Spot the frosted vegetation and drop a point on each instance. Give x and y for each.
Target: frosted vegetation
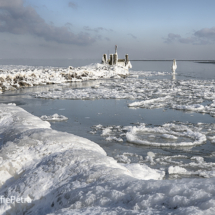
(61, 173)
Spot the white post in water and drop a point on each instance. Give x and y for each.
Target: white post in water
(174, 66)
(115, 49)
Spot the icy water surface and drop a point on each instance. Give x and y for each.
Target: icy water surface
(152, 117)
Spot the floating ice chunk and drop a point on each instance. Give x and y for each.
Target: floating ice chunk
(168, 136)
(198, 159)
(112, 138)
(176, 170)
(107, 131)
(122, 159)
(54, 117)
(14, 104)
(150, 157)
(194, 107)
(146, 102)
(133, 135)
(142, 171)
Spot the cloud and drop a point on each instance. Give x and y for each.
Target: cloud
(206, 33)
(15, 18)
(201, 37)
(72, 5)
(87, 28)
(134, 37)
(172, 37)
(176, 38)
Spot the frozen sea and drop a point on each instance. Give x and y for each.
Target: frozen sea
(152, 119)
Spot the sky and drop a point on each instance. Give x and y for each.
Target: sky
(86, 29)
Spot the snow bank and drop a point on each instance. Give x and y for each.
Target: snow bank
(41, 162)
(15, 78)
(61, 173)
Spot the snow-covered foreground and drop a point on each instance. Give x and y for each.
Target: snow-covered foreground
(12, 78)
(60, 173)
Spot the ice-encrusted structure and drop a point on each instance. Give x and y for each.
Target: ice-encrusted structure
(61, 173)
(12, 78)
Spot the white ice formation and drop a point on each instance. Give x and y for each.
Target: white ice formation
(174, 66)
(188, 95)
(54, 117)
(167, 131)
(60, 173)
(168, 135)
(14, 78)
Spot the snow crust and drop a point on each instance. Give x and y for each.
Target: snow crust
(12, 78)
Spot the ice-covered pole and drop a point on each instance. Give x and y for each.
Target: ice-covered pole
(104, 59)
(126, 59)
(174, 65)
(115, 59)
(111, 59)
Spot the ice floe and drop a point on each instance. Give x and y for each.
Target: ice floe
(54, 117)
(166, 131)
(187, 95)
(167, 135)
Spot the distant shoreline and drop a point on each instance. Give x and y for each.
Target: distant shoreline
(199, 61)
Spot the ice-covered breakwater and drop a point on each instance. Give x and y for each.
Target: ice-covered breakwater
(14, 78)
(60, 173)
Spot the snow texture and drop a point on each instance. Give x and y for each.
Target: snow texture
(23, 76)
(65, 174)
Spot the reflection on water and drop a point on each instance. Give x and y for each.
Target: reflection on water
(173, 77)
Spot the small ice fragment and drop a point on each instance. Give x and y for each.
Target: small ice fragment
(54, 117)
(176, 170)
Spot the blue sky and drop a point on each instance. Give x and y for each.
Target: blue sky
(85, 29)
